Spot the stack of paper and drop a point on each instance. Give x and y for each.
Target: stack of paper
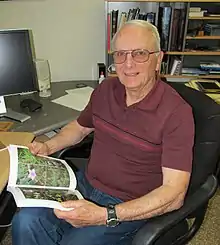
(76, 99)
(215, 97)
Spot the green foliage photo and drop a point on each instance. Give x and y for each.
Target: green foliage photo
(40, 171)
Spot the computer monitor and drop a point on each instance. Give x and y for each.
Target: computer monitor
(17, 69)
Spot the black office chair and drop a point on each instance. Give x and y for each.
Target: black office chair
(7, 210)
(173, 228)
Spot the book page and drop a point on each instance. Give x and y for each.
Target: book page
(28, 170)
(40, 181)
(47, 198)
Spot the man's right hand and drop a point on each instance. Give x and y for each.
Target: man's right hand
(39, 148)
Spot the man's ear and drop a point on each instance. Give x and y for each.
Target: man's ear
(159, 60)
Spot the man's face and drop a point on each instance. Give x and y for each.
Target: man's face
(132, 74)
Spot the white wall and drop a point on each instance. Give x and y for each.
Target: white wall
(69, 33)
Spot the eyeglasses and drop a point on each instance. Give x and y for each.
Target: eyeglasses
(138, 55)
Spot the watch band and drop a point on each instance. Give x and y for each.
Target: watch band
(112, 219)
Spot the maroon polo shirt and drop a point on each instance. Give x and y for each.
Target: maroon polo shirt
(132, 144)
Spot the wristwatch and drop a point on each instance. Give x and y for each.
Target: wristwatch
(112, 219)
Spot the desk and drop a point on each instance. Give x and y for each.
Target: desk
(52, 116)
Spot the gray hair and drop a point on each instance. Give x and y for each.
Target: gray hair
(142, 23)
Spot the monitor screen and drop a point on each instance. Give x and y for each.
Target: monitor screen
(17, 70)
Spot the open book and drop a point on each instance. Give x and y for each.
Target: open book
(40, 181)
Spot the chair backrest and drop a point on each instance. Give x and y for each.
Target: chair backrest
(207, 134)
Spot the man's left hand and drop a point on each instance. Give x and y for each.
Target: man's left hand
(84, 213)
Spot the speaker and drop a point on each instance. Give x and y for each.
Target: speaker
(43, 77)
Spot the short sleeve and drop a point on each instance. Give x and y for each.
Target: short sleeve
(85, 118)
(178, 139)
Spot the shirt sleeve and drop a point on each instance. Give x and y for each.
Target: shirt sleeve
(85, 118)
(178, 140)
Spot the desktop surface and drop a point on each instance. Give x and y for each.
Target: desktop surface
(51, 116)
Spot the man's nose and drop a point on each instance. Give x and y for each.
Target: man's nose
(129, 60)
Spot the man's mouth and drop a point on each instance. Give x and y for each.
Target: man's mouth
(134, 74)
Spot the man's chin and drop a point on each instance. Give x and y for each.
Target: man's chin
(131, 83)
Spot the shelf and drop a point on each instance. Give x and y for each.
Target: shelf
(205, 18)
(189, 1)
(193, 76)
(203, 37)
(179, 76)
(194, 53)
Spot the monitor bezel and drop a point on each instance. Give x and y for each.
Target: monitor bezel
(30, 52)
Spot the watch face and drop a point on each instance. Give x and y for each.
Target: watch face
(112, 222)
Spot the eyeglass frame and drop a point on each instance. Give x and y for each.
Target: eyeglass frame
(126, 52)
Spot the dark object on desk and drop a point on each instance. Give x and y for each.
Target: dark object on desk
(31, 104)
(172, 228)
(81, 85)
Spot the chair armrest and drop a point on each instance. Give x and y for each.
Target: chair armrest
(61, 153)
(157, 226)
(84, 145)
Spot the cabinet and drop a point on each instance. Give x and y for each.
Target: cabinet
(189, 31)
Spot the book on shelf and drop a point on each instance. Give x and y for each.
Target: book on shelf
(176, 66)
(210, 66)
(177, 33)
(193, 71)
(40, 181)
(164, 19)
(197, 14)
(195, 9)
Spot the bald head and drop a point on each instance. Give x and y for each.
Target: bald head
(139, 29)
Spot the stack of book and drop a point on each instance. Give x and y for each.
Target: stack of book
(196, 12)
(211, 67)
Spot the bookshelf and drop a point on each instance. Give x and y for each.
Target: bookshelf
(193, 38)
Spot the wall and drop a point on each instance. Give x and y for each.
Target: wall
(69, 33)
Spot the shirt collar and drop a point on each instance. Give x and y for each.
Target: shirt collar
(150, 101)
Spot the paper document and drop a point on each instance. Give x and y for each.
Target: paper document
(2, 105)
(76, 99)
(85, 91)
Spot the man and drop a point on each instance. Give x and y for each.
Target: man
(141, 156)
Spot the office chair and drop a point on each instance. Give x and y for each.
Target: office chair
(173, 228)
(7, 210)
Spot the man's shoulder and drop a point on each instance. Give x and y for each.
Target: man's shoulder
(109, 82)
(171, 98)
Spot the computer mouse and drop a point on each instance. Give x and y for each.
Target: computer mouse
(31, 104)
(81, 85)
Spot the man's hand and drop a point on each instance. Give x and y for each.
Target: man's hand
(39, 148)
(84, 213)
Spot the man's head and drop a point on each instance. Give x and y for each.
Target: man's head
(136, 52)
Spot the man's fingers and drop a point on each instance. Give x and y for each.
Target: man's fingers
(33, 148)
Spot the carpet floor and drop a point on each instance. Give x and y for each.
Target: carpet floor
(209, 233)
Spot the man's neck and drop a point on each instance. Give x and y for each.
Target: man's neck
(135, 95)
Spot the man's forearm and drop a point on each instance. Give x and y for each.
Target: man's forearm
(69, 135)
(157, 202)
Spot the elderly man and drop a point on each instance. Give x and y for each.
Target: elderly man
(141, 156)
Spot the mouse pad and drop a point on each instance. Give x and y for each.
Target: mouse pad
(5, 126)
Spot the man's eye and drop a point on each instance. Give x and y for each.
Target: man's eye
(120, 53)
(140, 53)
